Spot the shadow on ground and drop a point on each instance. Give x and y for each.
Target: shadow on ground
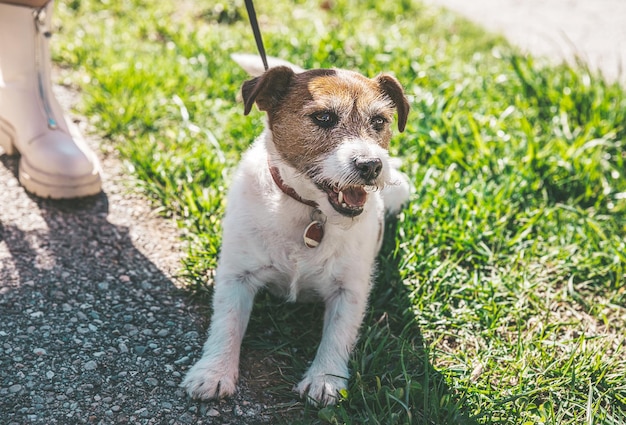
(392, 378)
(91, 330)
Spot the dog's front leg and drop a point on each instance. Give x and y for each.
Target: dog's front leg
(215, 374)
(328, 373)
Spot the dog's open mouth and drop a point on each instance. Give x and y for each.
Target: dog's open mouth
(348, 201)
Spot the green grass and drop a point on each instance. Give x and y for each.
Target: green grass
(501, 292)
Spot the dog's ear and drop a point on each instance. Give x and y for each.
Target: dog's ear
(392, 88)
(267, 90)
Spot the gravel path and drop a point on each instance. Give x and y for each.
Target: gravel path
(93, 327)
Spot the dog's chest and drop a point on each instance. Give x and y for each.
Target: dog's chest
(344, 254)
(271, 249)
(264, 233)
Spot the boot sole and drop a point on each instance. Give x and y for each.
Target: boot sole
(45, 185)
(39, 183)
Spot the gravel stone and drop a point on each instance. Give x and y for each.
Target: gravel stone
(39, 352)
(90, 365)
(140, 349)
(193, 335)
(15, 388)
(182, 360)
(153, 382)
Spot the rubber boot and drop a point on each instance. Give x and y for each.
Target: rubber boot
(55, 163)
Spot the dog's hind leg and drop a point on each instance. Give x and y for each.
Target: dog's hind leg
(215, 374)
(328, 374)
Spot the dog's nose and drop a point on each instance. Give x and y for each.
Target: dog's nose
(369, 168)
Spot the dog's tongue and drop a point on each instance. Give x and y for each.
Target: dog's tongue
(355, 196)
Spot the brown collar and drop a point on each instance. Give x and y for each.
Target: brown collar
(314, 232)
(288, 190)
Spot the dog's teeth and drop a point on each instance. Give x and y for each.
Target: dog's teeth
(340, 197)
(344, 205)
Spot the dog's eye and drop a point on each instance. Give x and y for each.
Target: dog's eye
(325, 119)
(378, 122)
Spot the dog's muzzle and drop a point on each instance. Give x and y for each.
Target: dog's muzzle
(349, 199)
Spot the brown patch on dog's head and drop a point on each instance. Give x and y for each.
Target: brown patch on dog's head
(310, 113)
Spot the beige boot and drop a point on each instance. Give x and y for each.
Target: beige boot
(54, 163)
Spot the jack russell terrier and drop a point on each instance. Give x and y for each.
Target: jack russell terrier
(304, 217)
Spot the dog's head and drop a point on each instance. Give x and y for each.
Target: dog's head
(333, 126)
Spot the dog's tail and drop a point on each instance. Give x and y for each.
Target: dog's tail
(253, 64)
(396, 194)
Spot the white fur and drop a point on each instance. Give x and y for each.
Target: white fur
(263, 248)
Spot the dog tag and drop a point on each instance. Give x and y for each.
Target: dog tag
(313, 234)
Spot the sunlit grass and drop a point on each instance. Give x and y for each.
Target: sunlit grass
(500, 297)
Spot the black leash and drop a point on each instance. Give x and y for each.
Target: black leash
(256, 31)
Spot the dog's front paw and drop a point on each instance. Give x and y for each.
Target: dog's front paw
(323, 389)
(208, 379)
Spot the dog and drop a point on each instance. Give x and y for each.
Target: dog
(305, 217)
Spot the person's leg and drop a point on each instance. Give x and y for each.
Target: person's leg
(54, 162)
